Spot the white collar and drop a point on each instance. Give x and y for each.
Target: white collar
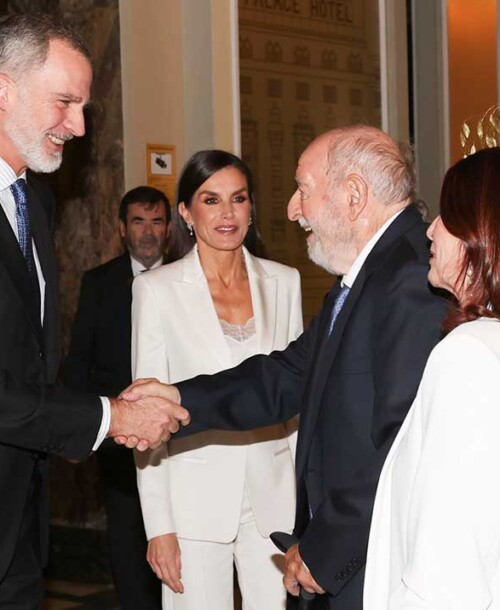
(7, 175)
(350, 277)
(138, 267)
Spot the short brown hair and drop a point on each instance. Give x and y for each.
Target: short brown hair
(470, 210)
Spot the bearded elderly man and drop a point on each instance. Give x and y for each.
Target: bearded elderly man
(45, 78)
(354, 372)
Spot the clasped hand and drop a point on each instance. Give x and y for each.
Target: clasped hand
(297, 574)
(146, 414)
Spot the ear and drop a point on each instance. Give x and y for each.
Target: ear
(123, 229)
(357, 193)
(6, 86)
(184, 212)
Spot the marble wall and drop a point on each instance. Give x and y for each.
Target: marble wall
(88, 188)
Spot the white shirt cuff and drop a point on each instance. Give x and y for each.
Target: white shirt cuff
(105, 422)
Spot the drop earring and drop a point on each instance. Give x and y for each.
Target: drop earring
(189, 227)
(469, 274)
(250, 221)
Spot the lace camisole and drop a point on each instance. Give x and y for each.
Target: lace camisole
(241, 339)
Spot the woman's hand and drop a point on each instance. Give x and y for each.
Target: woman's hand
(164, 557)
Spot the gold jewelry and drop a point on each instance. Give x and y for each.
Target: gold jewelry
(483, 134)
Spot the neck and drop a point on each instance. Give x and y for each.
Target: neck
(147, 264)
(10, 154)
(223, 265)
(370, 225)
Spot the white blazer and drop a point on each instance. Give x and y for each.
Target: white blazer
(435, 534)
(194, 486)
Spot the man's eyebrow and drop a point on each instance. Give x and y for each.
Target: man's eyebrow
(302, 181)
(69, 97)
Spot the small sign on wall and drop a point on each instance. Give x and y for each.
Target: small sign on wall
(161, 168)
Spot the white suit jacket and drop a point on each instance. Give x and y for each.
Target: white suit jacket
(194, 486)
(435, 534)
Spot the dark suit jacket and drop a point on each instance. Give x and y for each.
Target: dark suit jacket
(36, 418)
(352, 390)
(99, 357)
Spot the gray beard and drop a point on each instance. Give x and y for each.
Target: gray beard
(318, 257)
(31, 151)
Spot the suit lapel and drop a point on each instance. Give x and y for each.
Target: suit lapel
(124, 276)
(327, 348)
(200, 309)
(44, 248)
(12, 259)
(326, 352)
(263, 289)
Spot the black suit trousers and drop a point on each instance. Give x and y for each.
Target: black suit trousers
(137, 586)
(21, 587)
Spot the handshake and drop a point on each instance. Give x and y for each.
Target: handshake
(146, 414)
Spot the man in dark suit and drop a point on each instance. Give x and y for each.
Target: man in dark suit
(45, 78)
(354, 372)
(99, 362)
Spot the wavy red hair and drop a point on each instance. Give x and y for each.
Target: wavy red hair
(470, 210)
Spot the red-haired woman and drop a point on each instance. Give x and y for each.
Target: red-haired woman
(435, 537)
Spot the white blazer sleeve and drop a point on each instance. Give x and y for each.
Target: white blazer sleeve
(149, 359)
(453, 541)
(296, 321)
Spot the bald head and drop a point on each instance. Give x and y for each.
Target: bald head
(385, 165)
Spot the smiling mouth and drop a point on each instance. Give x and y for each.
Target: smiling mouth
(226, 230)
(58, 140)
(304, 224)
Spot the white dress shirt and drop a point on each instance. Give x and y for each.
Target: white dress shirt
(7, 178)
(350, 277)
(138, 267)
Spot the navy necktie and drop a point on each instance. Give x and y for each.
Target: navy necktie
(24, 224)
(20, 194)
(337, 306)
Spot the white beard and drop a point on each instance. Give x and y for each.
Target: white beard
(29, 144)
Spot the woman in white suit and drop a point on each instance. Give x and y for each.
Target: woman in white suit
(213, 499)
(435, 535)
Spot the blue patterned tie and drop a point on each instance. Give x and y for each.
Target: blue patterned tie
(24, 225)
(337, 306)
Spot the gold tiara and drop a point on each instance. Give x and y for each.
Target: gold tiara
(483, 134)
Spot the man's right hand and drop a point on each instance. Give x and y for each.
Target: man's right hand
(145, 421)
(151, 387)
(164, 557)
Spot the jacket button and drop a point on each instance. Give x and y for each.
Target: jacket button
(349, 568)
(354, 562)
(339, 576)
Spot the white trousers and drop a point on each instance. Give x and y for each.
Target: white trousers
(207, 571)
